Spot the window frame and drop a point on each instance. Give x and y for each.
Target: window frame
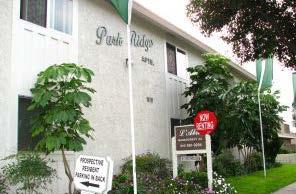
(49, 19)
(176, 50)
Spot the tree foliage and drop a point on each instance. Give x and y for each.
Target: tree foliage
(244, 114)
(236, 106)
(255, 28)
(29, 172)
(209, 82)
(60, 93)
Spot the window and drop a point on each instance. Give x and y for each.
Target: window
(174, 123)
(25, 117)
(60, 13)
(171, 59)
(34, 11)
(181, 64)
(176, 61)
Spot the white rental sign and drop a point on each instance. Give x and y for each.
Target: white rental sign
(93, 174)
(188, 141)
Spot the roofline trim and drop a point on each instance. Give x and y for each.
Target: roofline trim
(171, 28)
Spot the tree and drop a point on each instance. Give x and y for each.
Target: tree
(244, 114)
(59, 93)
(255, 28)
(236, 105)
(209, 82)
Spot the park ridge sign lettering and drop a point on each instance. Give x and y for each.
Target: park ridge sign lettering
(137, 40)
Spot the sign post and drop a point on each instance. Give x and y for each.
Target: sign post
(195, 139)
(209, 162)
(93, 174)
(187, 141)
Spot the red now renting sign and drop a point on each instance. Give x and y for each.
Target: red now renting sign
(205, 122)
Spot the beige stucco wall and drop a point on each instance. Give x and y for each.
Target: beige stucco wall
(109, 114)
(5, 69)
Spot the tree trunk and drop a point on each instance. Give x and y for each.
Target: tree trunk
(67, 171)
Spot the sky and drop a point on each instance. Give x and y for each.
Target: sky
(174, 11)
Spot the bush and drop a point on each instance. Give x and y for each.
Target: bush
(151, 170)
(154, 175)
(221, 186)
(149, 163)
(226, 165)
(122, 184)
(3, 185)
(28, 171)
(283, 151)
(272, 148)
(253, 162)
(200, 178)
(181, 185)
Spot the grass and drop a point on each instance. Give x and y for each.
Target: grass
(255, 183)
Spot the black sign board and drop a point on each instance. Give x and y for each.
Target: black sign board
(187, 138)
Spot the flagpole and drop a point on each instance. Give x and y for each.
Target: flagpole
(131, 101)
(260, 118)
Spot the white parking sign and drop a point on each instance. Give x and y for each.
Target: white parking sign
(93, 174)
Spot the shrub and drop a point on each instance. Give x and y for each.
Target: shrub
(28, 171)
(154, 176)
(3, 185)
(272, 148)
(226, 165)
(200, 178)
(149, 163)
(253, 162)
(221, 186)
(181, 185)
(122, 184)
(283, 151)
(151, 170)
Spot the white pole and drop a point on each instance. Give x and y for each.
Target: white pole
(131, 101)
(209, 162)
(132, 123)
(174, 158)
(260, 118)
(261, 129)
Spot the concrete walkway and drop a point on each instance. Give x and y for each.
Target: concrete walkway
(290, 189)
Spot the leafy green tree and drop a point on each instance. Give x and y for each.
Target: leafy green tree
(255, 28)
(236, 106)
(60, 93)
(209, 83)
(243, 112)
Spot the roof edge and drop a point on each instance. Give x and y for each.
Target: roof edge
(171, 28)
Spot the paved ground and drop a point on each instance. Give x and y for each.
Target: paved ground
(290, 189)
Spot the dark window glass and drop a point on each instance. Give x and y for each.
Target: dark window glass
(25, 118)
(174, 122)
(171, 59)
(34, 11)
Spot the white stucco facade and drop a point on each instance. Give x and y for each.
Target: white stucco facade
(27, 49)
